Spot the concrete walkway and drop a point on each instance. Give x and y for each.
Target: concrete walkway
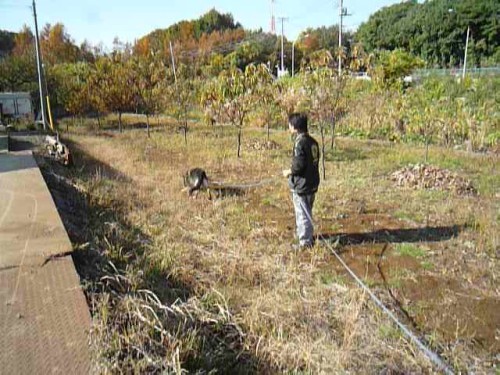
(44, 317)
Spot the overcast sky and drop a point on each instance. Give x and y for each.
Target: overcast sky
(103, 20)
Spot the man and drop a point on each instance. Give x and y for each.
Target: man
(303, 178)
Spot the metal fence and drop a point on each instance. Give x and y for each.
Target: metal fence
(456, 72)
(453, 72)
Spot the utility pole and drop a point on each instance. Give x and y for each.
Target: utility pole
(282, 19)
(40, 70)
(173, 61)
(466, 48)
(342, 14)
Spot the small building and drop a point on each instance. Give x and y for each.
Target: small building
(16, 105)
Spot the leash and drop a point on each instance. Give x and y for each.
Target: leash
(428, 352)
(250, 185)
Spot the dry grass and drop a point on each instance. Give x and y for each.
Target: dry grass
(229, 293)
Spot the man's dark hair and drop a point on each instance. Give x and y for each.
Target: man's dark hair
(298, 122)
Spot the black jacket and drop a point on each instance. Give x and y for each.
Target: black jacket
(305, 165)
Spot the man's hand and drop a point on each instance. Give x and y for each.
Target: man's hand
(287, 172)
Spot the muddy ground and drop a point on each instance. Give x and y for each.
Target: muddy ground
(427, 267)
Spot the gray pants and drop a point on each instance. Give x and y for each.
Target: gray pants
(303, 205)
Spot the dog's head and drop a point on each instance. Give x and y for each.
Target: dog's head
(185, 178)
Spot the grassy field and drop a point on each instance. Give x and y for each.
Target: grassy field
(191, 284)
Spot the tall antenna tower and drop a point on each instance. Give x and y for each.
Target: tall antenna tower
(273, 19)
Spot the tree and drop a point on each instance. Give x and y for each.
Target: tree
(212, 102)
(318, 60)
(57, 45)
(247, 53)
(324, 91)
(150, 75)
(18, 73)
(181, 96)
(97, 87)
(191, 34)
(214, 65)
(236, 94)
(292, 96)
(24, 42)
(308, 42)
(359, 60)
(87, 52)
(321, 41)
(6, 43)
(71, 90)
(114, 85)
(435, 30)
(327, 38)
(392, 67)
(214, 21)
(120, 95)
(390, 27)
(266, 93)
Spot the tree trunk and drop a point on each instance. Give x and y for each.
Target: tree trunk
(239, 141)
(120, 122)
(98, 120)
(268, 126)
(426, 150)
(322, 130)
(426, 143)
(185, 128)
(333, 132)
(147, 125)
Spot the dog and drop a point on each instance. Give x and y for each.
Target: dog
(195, 180)
(58, 150)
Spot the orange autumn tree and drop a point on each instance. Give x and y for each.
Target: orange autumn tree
(24, 42)
(57, 45)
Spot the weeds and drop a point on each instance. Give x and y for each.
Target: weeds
(195, 285)
(410, 250)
